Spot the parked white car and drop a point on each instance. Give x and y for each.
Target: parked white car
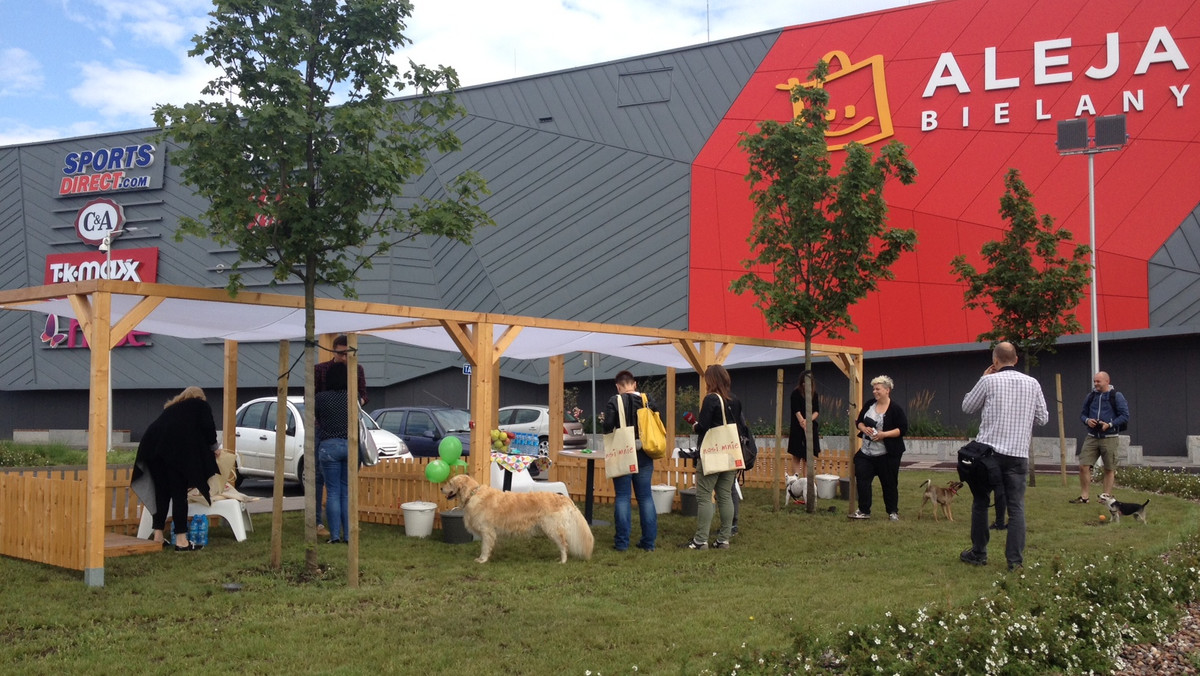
(535, 419)
(256, 439)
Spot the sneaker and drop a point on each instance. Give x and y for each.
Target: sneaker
(692, 544)
(720, 545)
(893, 517)
(858, 515)
(1016, 567)
(322, 531)
(969, 556)
(999, 526)
(1078, 501)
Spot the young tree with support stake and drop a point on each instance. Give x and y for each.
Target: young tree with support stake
(819, 240)
(304, 160)
(1030, 287)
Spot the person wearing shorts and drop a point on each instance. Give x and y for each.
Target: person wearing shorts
(1105, 413)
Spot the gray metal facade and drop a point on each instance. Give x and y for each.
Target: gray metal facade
(589, 171)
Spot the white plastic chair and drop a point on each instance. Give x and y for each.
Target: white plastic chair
(522, 482)
(233, 511)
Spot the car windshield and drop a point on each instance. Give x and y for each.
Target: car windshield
(453, 419)
(370, 422)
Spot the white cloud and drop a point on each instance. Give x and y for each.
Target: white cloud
(20, 72)
(125, 91)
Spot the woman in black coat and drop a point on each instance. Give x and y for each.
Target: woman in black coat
(882, 426)
(177, 452)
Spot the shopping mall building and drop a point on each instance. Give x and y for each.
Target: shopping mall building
(619, 196)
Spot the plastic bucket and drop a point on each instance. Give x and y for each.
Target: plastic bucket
(827, 485)
(664, 496)
(454, 530)
(687, 502)
(418, 518)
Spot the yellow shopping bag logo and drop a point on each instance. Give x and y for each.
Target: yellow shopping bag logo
(859, 92)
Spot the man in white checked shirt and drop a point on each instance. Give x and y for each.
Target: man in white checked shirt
(1011, 402)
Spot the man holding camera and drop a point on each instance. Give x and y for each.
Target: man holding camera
(1105, 414)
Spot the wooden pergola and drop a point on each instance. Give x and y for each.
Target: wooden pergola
(108, 310)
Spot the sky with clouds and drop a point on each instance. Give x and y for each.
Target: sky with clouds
(80, 67)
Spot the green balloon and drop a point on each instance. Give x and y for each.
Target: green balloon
(460, 463)
(437, 471)
(450, 448)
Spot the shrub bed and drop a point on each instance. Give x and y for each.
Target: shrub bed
(1069, 617)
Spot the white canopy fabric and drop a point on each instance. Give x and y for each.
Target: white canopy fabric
(273, 318)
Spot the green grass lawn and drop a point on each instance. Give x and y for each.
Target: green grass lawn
(426, 607)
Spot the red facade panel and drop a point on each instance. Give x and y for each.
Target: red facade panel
(975, 87)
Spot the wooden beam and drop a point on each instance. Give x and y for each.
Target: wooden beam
(689, 352)
(352, 395)
(510, 334)
(83, 313)
(557, 407)
(281, 393)
(229, 398)
(98, 432)
(723, 353)
(460, 333)
(483, 405)
(134, 317)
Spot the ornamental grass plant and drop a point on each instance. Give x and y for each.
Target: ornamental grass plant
(795, 589)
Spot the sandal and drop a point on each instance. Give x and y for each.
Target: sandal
(1079, 501)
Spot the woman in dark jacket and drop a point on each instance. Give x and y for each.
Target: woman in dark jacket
(717, 383)
(177, 452)
(797, 444)
(882, 426)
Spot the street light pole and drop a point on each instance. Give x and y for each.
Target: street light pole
(1073, 140)
(1092, 242)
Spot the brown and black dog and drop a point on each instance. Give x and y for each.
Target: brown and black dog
(941, 497)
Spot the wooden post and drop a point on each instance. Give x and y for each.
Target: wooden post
(669, 410)
(483, 403)
(229, 397)
(557, 407)
(352, 395)
(99, 322)
(778, 437)
(1062, 431)
(281, 412)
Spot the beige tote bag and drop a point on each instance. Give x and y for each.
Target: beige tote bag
(722, 447)
(620, 447)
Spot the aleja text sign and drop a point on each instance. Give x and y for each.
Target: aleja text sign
(130, 265)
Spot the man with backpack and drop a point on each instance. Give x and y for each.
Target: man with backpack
(1105, 415)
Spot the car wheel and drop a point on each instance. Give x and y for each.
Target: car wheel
(300, 474)
(238, 477)
(543, 446)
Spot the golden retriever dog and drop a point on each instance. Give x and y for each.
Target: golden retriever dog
(488, 513)
(942, 498)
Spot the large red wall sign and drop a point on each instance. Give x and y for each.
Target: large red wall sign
(975, 87)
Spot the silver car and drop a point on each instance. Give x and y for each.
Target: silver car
(535, 419)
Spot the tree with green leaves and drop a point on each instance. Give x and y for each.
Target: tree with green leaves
(819, 240)
(1030, 287)
(304, 159)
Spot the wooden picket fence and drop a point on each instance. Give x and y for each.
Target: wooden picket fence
(43, 515)
(43, 510)
(384, 487)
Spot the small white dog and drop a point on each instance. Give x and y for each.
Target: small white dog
(797, 487)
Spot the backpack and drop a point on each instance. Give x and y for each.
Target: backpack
(1112, 403)
(651, 431)
(749, 444)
